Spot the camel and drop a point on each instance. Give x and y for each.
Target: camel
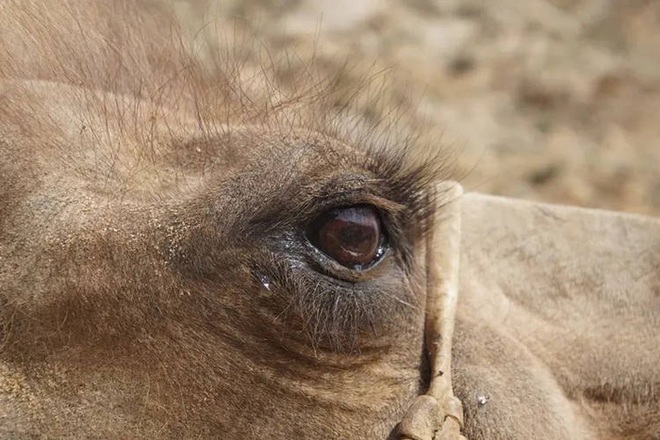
(176, 262)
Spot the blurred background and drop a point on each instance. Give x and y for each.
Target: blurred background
(551, 100)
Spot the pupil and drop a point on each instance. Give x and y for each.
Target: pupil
(351, 236)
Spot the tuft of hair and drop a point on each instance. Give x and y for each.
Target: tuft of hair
(137, 51)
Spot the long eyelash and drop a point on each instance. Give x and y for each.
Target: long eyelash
(396, 147)
(410, 184)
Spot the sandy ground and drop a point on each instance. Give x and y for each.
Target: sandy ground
(552, 100)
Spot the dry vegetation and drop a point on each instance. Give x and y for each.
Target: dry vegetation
(552, 100)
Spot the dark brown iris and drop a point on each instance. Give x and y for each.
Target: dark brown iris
(351, 236)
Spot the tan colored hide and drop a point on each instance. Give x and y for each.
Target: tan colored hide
(157, 281)
(558, 323)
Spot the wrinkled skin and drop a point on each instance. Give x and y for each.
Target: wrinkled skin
(156, 282)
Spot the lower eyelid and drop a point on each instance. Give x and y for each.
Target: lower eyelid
(325, 265)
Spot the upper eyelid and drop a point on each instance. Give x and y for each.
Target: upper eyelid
(333, 194)
(360, 197)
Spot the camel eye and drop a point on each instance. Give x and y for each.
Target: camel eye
(351, 235)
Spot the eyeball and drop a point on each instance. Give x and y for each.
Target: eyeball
(353, 236)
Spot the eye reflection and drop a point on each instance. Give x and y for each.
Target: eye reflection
(351, 235)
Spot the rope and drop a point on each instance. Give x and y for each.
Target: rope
(438, 414)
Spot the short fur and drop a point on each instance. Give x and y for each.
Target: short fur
(154, 282)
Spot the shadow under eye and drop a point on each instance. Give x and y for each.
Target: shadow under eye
(341, 312)
(352, 236)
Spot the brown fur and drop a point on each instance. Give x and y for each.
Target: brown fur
(147, 190)
(145, 196)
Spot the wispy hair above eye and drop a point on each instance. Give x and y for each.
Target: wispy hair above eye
(210, 81)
